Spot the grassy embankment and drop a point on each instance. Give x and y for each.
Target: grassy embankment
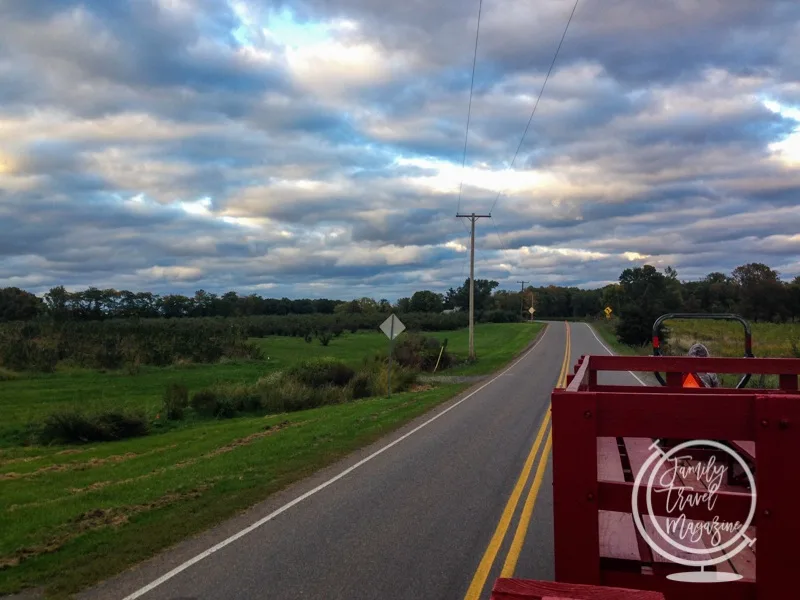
(722, 338)
(73, 515)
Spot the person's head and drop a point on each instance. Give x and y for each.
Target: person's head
(698, 350)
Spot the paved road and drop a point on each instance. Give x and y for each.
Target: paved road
(412, 522)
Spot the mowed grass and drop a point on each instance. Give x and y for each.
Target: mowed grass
(73, 515)
(722, 338)
(71, 518)
(496, 344)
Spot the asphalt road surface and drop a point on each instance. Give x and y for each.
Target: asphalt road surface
(434, 515)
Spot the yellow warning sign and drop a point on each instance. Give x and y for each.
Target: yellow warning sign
(608, 312)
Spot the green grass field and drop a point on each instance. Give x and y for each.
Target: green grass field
(73, 515)
(28, 399)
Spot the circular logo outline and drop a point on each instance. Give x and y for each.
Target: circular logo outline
(640, 527)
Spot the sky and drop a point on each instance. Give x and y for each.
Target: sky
(314, 148)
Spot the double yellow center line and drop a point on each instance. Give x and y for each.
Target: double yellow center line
(490, 556)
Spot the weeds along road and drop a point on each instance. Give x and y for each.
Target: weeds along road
(442, 508)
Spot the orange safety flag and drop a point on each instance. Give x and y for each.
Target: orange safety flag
(691, 380)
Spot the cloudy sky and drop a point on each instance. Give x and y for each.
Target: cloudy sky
(314, 147)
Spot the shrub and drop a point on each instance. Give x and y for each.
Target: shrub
(7, 375)
(241, 397)
(225, 408)
(321, 371)
(324, 337)
(794, 344)
(308, 338)
(419, 352)
(402, 380)
(77, 427)
(289, 394)
(176, 400)
(361, 385)
(204, 402)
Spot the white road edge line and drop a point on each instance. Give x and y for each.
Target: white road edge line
(182, 567)
(611, 352)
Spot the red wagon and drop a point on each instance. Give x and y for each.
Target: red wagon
(608, 440)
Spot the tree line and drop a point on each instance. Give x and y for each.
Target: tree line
(754, 291)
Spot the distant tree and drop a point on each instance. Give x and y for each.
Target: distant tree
(368, 305)
(793, 298)
(459, 298)
(426, 301)
(509, 301)
(611, 296)
(754, 290)
(324, 306)
(762, 295)
(58, 302)
(403, 305)
(175, 306)
(19, 305)
(646, 294)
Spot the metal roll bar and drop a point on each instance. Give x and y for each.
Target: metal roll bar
(748, 337)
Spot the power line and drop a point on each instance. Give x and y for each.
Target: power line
(552, 63)
(469, 109)
(499, 237)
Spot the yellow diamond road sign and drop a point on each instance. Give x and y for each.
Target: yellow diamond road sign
(607, 310)
(531, 310)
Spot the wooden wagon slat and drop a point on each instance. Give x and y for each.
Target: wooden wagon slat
(777, 493)
(517, 589)
(678, 415)
(618, 539)
(616, 496)
(742, 563)
(693, 364)
(677, 590)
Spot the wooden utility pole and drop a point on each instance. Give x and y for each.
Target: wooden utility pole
(522, 297)
(472, 218)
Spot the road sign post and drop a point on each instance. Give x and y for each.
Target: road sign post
(608, 312)
(391, 327)
(531, 310)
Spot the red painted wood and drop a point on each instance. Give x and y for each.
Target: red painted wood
(746, 448)
(638, 450)
(524, 588)
(687, 364)
(682, 415)
(581, 377)
(778, 494)
(609, 465)
(617, 530)
(614, 496)
(690, 479)
(575, 522)
(666, 390)
(675, 590)
(674, 380)
(788, 382)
